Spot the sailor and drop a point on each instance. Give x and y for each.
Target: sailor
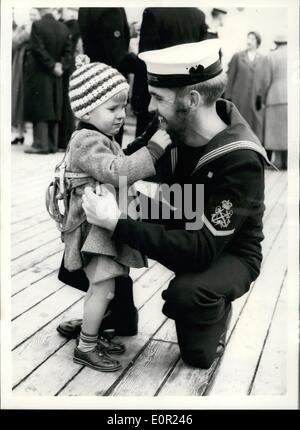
(214, 261)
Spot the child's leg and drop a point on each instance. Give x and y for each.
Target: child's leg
(95, 304)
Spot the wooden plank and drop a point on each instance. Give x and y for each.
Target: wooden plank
(34, 294)
(35, 273)
(273, 180)
(35, 242)
(38, 348)
(30, 322)
(89, 382)
(22, 215)
(31, 232)
(278, 194)
(237, 368)
(36, 256)
(30, 222)
(270, 378)
(148, 372)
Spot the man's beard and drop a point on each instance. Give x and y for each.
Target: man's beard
(178, 126)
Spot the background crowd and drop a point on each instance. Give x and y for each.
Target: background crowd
(45, 44)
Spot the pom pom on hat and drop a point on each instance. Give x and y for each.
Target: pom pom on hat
(92, 84)
(81, 60)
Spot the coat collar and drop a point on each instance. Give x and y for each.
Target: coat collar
(237, 135)
(85, 125)
(245, 57)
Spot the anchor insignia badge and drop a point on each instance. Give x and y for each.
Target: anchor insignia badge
(222, 214)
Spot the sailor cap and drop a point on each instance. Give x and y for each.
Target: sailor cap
(182, 65)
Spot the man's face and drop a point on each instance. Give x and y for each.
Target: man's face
(172, 114)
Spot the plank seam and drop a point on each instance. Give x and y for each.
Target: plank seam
(48, 322)
(213, 375)
(266, 337)
(132, 362)
(37, 303)
(176, 361)
(34, 249)
(40, 364)
(37, 280)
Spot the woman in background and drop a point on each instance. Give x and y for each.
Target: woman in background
(245, 73)
(276, 102)
(20, 41)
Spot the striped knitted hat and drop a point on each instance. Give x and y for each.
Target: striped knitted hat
(93, 84)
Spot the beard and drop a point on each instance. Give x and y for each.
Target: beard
(178, 124)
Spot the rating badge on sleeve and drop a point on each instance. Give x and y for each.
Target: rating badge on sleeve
(222, 215)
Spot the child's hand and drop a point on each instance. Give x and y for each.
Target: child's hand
(161, 138)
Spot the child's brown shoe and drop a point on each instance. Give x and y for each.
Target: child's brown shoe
(97, 360)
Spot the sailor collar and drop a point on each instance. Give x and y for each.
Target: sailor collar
(227, 140)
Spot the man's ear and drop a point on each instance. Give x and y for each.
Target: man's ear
(196, 100)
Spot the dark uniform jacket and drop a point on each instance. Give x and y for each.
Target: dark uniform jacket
(105, 34)
(231, 167)
(49, 43)
(163, 27)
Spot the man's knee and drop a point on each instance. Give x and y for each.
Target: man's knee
(187, 296)
(197, 358)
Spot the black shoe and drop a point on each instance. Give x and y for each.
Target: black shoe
(70, 329)
(222, 340)
(33, 150)
(126, 326)
(18, 140)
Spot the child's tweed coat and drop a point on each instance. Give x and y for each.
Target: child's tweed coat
(93, 153)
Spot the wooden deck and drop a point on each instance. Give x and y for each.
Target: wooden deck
(255, 359)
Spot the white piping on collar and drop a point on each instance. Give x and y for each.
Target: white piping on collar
(240, 144)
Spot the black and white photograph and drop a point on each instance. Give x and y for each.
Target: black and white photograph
(149, 204)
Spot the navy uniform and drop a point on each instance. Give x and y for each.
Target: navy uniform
(215, 263)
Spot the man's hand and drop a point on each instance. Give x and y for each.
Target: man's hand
(102, 210)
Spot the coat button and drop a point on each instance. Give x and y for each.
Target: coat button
(117, 33)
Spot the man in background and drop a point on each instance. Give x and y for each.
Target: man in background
(217, 21)
(67, 124)
(162, 27)
(49, 57)
(105, 37)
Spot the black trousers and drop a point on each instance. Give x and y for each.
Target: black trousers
(200, 302)
(45, 136)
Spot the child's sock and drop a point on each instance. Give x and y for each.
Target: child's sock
(87, 342)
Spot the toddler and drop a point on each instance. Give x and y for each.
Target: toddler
(98, 96)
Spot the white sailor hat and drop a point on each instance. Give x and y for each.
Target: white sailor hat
(184, 64)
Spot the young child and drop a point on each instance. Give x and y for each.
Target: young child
(98, 96)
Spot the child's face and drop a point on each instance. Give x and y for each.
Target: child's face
(109, 116)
